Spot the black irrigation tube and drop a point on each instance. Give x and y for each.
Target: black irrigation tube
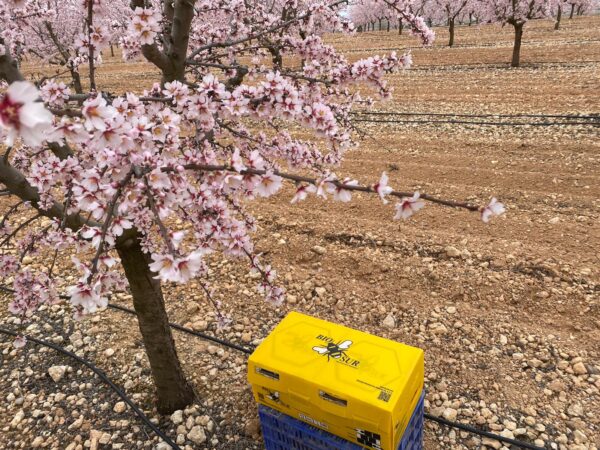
(471, 429)
(500, 116)
(470, 122)
(192, 332)
(245, 350)
(532, 65)
(104, 378)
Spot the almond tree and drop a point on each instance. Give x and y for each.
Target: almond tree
(50, 31)
(516, 13)
(365, 12)
(135, 191)
(448, 11)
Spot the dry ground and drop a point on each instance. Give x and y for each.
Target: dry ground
(508, 313)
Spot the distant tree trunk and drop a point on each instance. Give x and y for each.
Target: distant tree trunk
(173, 390)
(388, 26)
(451, 29)
(580, 10)
(572, 10)
(400, 26)
(380, 20)
(373, 26)
(112, 50)
(516, 57)
(76, 81)
(429, 23)
(558, 16)
(470, 18)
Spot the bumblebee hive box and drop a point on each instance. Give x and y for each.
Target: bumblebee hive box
(357, 386)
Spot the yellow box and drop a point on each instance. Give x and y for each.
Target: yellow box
(360, 387)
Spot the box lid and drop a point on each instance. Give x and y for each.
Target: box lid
(346, 365)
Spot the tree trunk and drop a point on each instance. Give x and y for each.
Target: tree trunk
(388, 25)
(380, 20)
(580, 10)
(112, 50)
(516, 57)
(400, 26)
(173, 390)
(470, 19)
(451, 29)
(572, 10)
(558, 16)
(76, 81)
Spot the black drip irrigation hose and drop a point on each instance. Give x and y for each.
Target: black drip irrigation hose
(471, 429)
(104, 378)
(542, 116)
(469, 122)
(208, 337)
(144, 418)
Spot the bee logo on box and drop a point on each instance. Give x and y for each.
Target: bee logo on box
(336, 351)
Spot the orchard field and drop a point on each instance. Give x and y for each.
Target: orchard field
(508, 313)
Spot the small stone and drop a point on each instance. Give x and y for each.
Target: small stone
(109, 352)
(554, 220)
(491, 443)
(507, 434)
(319, 250)
(246, 338)
(120, 407)
(57, 373)
(320, 291)
(579, 368)
(197, 435)
(556, 386)
(575, 410)
(452, 252)
(177, 417)
(451, 309)
(38, 441)
(17, 419)
(389, 321)
(579, 437)
(252, 428)
(105, 438)
(200, 325)
(503, 339)
(450, 414)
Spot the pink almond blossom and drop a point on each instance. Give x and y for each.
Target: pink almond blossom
(382, 188)
(494, 208)
(408, 206)
(23, 115)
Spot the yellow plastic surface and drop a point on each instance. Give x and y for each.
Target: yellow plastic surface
(360, 387)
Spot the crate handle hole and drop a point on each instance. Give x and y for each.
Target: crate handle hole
(267, 373)
(333, 399)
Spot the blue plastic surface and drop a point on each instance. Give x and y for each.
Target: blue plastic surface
(281, 432)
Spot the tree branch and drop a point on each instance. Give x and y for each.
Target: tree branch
(315, 182)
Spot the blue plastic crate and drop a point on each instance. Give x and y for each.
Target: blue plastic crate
(282, 432)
